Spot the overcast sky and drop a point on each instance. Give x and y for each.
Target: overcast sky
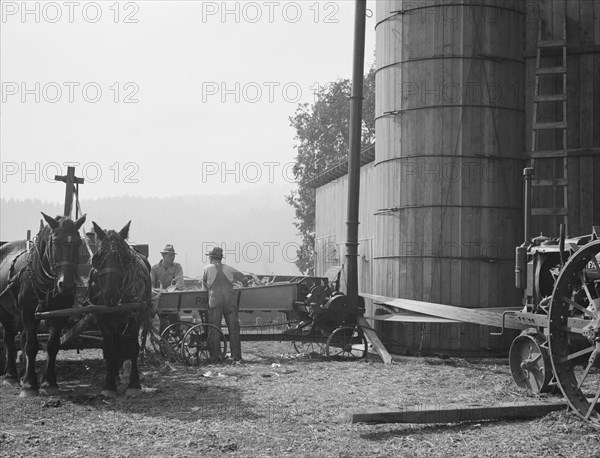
(156, 98)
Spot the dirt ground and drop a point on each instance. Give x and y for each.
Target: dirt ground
(277, 404)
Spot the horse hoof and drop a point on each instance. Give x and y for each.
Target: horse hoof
(109, 394)
(30, 393)
(10, 381)
(126, 372)
(133, 392)
(49, 390)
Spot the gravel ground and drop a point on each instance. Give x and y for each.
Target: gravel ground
(280, 403)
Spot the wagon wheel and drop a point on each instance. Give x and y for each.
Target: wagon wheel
(347, 342)
(530, 362)
(173, 334)
(574, 326)
(309, 347)
(195, 346)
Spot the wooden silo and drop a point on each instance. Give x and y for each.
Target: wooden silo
(450, 127)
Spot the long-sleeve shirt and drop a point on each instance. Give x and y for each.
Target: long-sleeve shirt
(163, 277)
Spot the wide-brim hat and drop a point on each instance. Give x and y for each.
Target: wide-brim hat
(168, 249)
(216, 252)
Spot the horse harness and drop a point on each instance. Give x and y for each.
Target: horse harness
(43, 282)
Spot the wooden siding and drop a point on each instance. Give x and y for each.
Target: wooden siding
(420, 150)
(583, 112)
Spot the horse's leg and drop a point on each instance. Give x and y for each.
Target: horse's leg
(131, 350)
(109, 348)
(10, 365)
(29, 385)
(49, 386)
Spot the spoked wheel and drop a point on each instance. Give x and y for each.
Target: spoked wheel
(530, 362)
(195, 346)
(347, 342)
(574, 327)
(309, 347)
(173, 334)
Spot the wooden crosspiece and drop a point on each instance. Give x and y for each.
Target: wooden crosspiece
(71, 181)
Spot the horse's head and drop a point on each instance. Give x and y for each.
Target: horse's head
(110, 262)
(61, 249)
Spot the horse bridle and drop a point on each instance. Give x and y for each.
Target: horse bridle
(105, 251)
(49, 277)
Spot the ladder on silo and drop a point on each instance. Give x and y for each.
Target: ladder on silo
(558, 182)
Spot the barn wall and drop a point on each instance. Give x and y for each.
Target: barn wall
(583, 111)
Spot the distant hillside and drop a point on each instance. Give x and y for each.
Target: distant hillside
(255, 229)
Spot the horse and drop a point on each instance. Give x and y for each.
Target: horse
(120, 275)
(41, 278)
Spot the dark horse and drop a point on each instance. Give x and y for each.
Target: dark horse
(120, 275)
(43, 278)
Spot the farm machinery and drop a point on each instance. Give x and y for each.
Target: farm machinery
(319, 319)
(560, 347)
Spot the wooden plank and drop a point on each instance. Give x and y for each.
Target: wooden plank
(372, 337)
(476, 315)
(440, 414)
(78, 311)
(410, 318)
(79, 327)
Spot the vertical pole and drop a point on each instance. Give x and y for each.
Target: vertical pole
(69, 191)
(354, 155)
(528, 175)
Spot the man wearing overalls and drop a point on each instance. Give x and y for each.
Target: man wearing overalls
(218, 279)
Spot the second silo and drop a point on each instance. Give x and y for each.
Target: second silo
(449, 155)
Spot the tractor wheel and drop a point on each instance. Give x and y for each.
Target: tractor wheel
(530, 362)
(574, 332)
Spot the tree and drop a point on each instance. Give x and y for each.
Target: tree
(322, 135)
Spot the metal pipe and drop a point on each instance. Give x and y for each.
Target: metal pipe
(528, 175)
(356, 98)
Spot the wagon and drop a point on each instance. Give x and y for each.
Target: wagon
(316, 319)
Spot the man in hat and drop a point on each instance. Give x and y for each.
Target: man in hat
(218, 280)
(167, 274)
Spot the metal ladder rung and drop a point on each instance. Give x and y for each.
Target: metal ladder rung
(550, 182)
(548, 211)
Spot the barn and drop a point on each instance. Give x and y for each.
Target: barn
(468, 94)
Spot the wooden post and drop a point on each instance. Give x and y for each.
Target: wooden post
(71, 180)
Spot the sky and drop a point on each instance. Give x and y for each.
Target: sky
(156, 98)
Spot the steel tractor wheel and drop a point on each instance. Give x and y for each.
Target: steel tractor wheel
(530, 362)
(574, 325)
(173, 334)
(347, 342)
(195, 344)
